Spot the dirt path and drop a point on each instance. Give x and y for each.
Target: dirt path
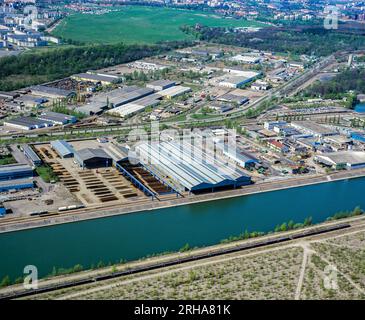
(307, 251)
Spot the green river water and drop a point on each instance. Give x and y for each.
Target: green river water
(137, 235)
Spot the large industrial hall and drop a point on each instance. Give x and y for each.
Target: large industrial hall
(189, 166)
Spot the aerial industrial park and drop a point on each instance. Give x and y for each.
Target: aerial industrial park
(287, 142)
(208, 143)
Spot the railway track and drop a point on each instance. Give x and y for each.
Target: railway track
(176, 261)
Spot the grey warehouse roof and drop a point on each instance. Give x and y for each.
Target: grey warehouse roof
(51, 90)
(63, 148)
(93, 107)
(89, 153)
(56, 117)
(29, 122)
(348, 157)
(190, 166)
(96, 77)
(162, 83)
(14, 168)
(313, 127)
(131, 96)
(16, 182)
(241, 156)
(233, 98)
(31, 153)
(117, 152)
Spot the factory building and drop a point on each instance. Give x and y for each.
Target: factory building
(51, 92)
(242, 73)
(277, 146)
(57, 118)
(63, 148)
(27, 123)
(173, 92)
(117, 152)
(271, 125)
(233, 98)
(15, 171)
(93, 158)
(31, 155)
(8, 95)
(239, 156)
(114, 99)
(93, 108)
(147, 66)
(136, 106)
(245, 59)
(17, 184)
(343, 160)
(30, 101)
(234, 82)
(260, 85)
(314, 129)
(104, 79)
(130, 96)
(160, 85)
(189, 166)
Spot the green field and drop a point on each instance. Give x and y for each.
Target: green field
(133, 24)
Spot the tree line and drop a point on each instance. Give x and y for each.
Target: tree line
(348, 80)
(36, 67)
(309, 41)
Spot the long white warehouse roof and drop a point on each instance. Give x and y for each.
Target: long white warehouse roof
(174, 91)
(190, 166)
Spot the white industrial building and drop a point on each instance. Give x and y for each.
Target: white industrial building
(343, 160)
(243, 73)
(104, 79)
(135, 106)
(245, 59)
(234, 82)
(312, 128)
(160, 85)
(173, 92)
(189, 166)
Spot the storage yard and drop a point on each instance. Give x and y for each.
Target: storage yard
(87, 173)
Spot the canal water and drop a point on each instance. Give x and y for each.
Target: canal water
(137, 235)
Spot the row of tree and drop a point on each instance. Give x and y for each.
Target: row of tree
(310, 41)
(348, 80)
(35, 67)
